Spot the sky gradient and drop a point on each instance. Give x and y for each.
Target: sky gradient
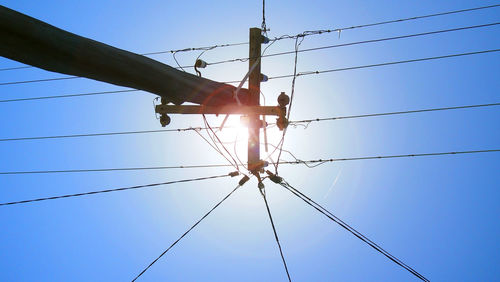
(438, 214)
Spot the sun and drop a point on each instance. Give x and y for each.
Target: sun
(231, 137)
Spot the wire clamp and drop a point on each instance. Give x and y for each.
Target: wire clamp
(274, 178)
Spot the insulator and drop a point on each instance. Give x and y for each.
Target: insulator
(243, 180)
(283, 99)
(200, 64)
(164, 120)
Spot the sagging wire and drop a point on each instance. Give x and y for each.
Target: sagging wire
(263, 193)
(200, 63)
(207, 125)
(236, 152)
(380, 157)
(216, 148)
(154, 107)
(296, 160)
(241, 183)
(175, 59)
(211, 145)
(331, 216)
(232, 174)
(298, 42)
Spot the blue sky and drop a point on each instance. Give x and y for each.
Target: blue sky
(439, 214)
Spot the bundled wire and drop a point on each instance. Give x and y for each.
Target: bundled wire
(275, 234)
(347, 227)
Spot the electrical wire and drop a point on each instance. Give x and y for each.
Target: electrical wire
(295, 122)
(360, 42)
(272, 77)
(214, 146)
(317, 32)
(158, 53)
(318, 161)
(384, 64)
(185, 233)
(38, 80)
(207, 125)
(276, 235)
(297, 45)
(112, 190)
(69, 95)
(303, 34)
(323, 161)
(15, 68)
(102, 134)
(263, 26)
(347, 227)
(392, 113)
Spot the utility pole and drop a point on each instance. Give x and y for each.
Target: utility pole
(254, 122)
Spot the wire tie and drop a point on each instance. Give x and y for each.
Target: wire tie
(234, 173)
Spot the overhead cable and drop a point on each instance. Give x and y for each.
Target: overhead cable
(276, 236)
(293, 122)
(358, 43)
(382, 64)
(69, 95)
(185, 233)
(316, 161)
(306, 33)
(349, 228)
(323, 31)
(113, 190)
(301, 73)
(392, 113)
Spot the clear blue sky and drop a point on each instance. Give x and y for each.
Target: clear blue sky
(439, 214)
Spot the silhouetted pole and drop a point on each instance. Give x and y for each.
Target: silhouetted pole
(36, 43)
(254, 122)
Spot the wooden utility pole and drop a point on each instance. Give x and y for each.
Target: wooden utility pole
(254, 122)
(33, 42)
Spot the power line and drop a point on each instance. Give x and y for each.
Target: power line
(392, 113)
(323, 161)
(196, 129)
(113, 190)
(38, 80)
(318, 162)
(276, 236)
(158, 53)
(347, 227)
(263, 26)
(15, 68)
(307, 33)
(196, 49)
(298, 42)
(69, 95)
(103, 134)
(383, 64)
(285, 76)
(359, 42)
(303, 34)
(185, 233)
